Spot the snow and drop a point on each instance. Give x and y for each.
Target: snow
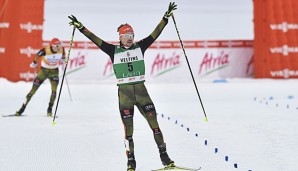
(251, 121)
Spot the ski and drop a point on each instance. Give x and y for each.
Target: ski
(13, 115)
(178, 168)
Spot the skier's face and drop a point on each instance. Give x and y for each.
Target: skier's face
(127, 39)
(56, 47)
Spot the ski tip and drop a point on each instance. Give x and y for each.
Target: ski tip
(206, 119)
(13, 115)
(53, 123)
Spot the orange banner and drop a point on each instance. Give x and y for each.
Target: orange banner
(21, 26)
(276, 40)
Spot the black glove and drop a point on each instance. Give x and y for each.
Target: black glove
(171, 8)
(75, 22)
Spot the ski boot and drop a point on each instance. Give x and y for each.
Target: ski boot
(20, 112)
(50, 110)
(131, 163)
(164, 157)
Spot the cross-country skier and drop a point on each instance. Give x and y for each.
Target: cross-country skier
(50, 58)
(129, 68)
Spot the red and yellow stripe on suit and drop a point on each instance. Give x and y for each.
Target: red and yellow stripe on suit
(51, 60)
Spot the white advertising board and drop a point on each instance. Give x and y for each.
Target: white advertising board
(165, 61)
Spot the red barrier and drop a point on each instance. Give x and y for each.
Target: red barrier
(21, 25)
(276, 44)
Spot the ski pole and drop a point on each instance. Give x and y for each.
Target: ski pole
(70, 45)
(68, 88)
(206, 119)
(67, 85)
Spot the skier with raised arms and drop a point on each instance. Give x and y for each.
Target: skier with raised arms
(129, 69)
